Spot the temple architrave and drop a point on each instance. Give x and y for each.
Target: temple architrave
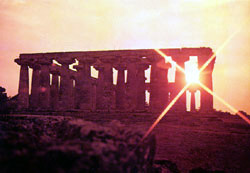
(56, 87)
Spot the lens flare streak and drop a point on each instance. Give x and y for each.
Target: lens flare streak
(187, 85)
(170, 61)
(218, 50)
(165, 111)
(225, 103)
(206, 88)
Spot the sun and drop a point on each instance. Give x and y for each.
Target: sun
(192, 72)
(192, 76)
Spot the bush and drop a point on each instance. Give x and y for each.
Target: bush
(3, 101)
(52, 145)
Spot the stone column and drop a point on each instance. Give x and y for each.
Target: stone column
(210, 86)
(54, 90)
(23, 90)
(154, 94)
(71, 91)
(120, 87)
(192, 89)
(93, 96)
(35, 87)
(105, 98)
(206, 98)
(100, 99)
(141, 100)
(108, 74)
(131, 87)
(65, 84)
(79, 86)
(206, 79)
(159, 88)
(180, 82)
(44, 95)
(84, 83)
(192, 101)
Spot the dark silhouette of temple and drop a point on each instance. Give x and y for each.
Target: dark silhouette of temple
(58, 88)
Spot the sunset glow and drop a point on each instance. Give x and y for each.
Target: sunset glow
(192, 76)
(62, 25)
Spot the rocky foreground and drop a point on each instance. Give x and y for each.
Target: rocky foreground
(190, 142)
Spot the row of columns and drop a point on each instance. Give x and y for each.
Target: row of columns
(81, 92)
(130, 95)
(162, 92)
(87, 93)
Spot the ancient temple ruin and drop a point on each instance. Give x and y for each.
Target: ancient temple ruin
(56, 87)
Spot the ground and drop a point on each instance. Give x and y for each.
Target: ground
(217, 141)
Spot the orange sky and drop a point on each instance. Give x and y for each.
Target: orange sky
(28, 26)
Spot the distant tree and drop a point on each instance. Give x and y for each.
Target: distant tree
(3, 101)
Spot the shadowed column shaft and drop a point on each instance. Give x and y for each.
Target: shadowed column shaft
(210, 97)
(180, 82)
(100, 100)
(109, 92)
(54, 91)
(35, 88)
(192, 101)
(79, 86)
(23, 90)
(120, 89)
(44, 95)
(93, 99)
(153, 87)
(83, 87)
(131, 86)
(158, 88)
(65, 88)
(141, 87)
(206, 99)
(71, 97)
(88, 87)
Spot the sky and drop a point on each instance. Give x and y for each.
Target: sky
(34, 26)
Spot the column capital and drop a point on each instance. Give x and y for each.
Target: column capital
(109, 59)
(54, 70)
(65, 60)
(72, 75)
(45, 61)
(129, 60)
(79, 67)
(163, 65)
(87, 60)
(98, 65)
(143, 66)
(154, 58)
(120, 66)
(35, 65)
(99, 68)
(180, 58)
(23, 62)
